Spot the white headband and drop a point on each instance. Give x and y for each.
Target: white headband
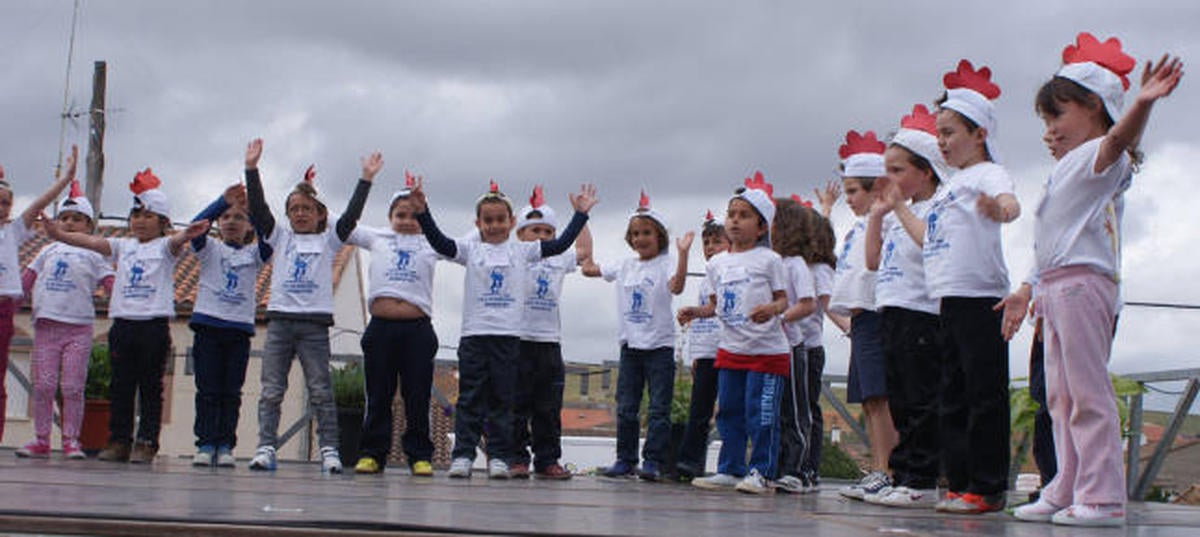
(153, 200)
(863, 165)
(1100, 81)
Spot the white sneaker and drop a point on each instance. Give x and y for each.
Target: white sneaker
(755, 483)
(1039, 511)
(791, 485)
(203, 457)
(263, 459)
(907, 497)
(1091, 515)
(717, 482)
(460, 467)
(872, 483)
(497, 469)
(330, 461)
(225, 458)
(874, 497)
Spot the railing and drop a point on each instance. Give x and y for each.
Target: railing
(1138, 485)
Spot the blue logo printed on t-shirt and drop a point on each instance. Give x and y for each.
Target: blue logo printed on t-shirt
(298, 279)
(543, 285)
(135, 287)
(400, 271)
(402, 258)
(497, 281)
(60, 269)
(495, 297)
(59, 281)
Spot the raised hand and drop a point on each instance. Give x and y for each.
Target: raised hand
(371, 165)
(417, 197)
(235, 196)
(585, 200)
(196, 229)
(1160, 80)
(684, 243)
(833, 190)
(72, 164)
(888, 195)
(253, 153)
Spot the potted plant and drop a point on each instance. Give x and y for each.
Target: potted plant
(349, 394)
(94, 432)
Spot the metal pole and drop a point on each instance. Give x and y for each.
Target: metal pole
(95, 156)
(1133, 444)
(1168, 438)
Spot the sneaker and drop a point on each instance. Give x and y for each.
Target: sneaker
(204, 456)
(686, 471)
(460, 467)
(717, 482)
(1038, 511)
(619, 469)
(331, 462)
(367, 465)
(422, 469)
(498, 469)
(1091, 515)
(874, 497)
(755, 483)
(263, 459)
(37, 449)
(143, 453)
(518, 470)
(225, 458)
(907, 497)
(973, 504)
(791, 484)
(554, 471)
(649, 471)
(72, 450)
(114, 452)
(871, 483)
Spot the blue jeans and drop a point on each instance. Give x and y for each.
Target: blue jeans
(748, 409)
(639, 370)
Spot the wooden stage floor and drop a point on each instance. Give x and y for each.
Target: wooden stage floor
(172, 498)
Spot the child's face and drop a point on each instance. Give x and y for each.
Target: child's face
(304, 214)
(74, 222)
(743, 224)
(403, 220)
(714, 243)
(1074, 125)
(6, 202)
(494, 222)
(536, 232)
(234, 225)
(643, 237)
(858, 198)
(145, 225)
(900, 170)
(960, 146)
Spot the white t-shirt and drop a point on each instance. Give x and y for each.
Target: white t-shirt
(822, 286)
(543, 291)
(962, 249)
(302, 275)
(226, 289)
(743, 281)
(66, 277)
(853, 284)
(494, 284)
(900, 280)
(12, 235)
(1078, 218)
(144, 287)
(800, 285)
(402, 266)
(643, 301)
(703, 334)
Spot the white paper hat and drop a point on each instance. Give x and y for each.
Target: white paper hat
(643, 209)
(918, 133)
(862, 155)
(537, 203)
(77, 202)
(970, 92)
(757, 193)
(147, 196)
(1102, 68)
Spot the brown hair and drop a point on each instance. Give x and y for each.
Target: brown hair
(712, 229)
(1059, 90)
(920, 163)
(821, 240)
(305, 189)
(663, 242)
(787, 236)
(493, 198)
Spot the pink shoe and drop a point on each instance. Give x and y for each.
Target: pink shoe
(72, 450)
(37, 449)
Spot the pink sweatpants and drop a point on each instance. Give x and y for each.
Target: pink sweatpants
(58, 346)
(1078, 306)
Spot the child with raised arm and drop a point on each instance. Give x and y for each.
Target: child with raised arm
(912, 355)
(702, 338)
(496, 270)
(300, 310)
(750, 297)
(965, 271)
(143, 301)
(1077, 260)
(647, 333)
(61, 280)
(223, 323)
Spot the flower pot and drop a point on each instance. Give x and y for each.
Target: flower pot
(93, 435)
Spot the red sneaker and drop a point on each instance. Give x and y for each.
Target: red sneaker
(973, 504)
(37, 449)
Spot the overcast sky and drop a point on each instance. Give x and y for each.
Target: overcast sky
(667, 95)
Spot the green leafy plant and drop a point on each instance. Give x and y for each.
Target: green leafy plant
(836, 463)
(99, 373)
(349, 386)
(681, 402)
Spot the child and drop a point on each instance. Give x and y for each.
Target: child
(752, 356)
(491, 328)
(1076, 273)
(789, 241)
(910, 323)
(142, 304)
(965, 271)
(300, 310)
(647, 338)
(223, 323)
(854, 296)
(703, 335)
(399, 340)
(818, 253)
(61, 279)
(537, 420)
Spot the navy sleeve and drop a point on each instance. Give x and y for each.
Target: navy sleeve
(560, 244)
(349, 219)
(260, 213)
(210, 213)
(439, 241)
